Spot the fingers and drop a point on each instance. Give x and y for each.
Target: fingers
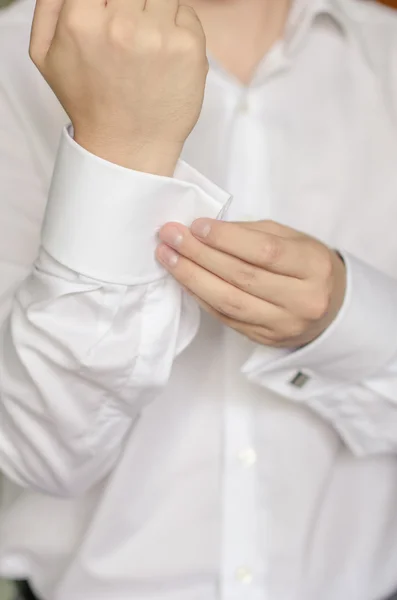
(259, 334)
(45, 21)
(284, 256)
(272, 227)
(220, 295)
(48, 13)
(249, 278)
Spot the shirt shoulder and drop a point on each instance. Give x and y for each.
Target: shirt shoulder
(373, 29)
(374, 26)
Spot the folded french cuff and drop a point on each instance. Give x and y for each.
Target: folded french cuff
(102, 220)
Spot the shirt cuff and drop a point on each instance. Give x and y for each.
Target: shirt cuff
(358, 345)
(102, 219)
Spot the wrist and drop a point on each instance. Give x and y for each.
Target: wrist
(149, 157)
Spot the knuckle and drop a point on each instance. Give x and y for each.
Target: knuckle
(245, 276)
(274, 339)
(318, 305)
(259, 335)
(292, 328)
(231, 307)
(270, 250)
(273, 335)
(120, 32)
(297, 328)
(188, 44)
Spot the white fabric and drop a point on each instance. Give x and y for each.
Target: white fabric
(149, 453)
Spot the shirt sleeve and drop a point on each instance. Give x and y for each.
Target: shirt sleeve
(348, 375)
(89, 332)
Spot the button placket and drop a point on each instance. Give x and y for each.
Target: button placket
(247, 457)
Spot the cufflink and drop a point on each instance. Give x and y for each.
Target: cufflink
(300, 380)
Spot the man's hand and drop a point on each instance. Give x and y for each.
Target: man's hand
(275, 285)
(130, 74)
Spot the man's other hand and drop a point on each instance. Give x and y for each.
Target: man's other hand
(275, 285)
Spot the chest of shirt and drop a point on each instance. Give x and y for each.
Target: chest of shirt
(313, 147)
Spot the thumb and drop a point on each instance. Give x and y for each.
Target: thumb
(45, 21)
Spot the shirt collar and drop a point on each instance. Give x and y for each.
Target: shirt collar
(302, 15)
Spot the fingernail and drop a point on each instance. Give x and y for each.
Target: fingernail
(201, 228)
(167, 256)
(171, 235)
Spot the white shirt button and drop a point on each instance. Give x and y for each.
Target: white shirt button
(243, 106)
(247, 457)
(244, 575)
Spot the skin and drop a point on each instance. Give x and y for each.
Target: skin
(268, 282)
(272, 284)
(240, 32)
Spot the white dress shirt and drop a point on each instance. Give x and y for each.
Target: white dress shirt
(149, 453)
